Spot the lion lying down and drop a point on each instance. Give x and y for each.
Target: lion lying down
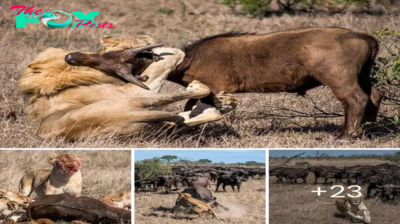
(105, 95)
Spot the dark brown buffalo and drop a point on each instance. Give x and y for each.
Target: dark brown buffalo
(198, 181)
(292, 174)
(290, 61)
(67, 208)
(324, 172)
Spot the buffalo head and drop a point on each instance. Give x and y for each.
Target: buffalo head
(125, 64)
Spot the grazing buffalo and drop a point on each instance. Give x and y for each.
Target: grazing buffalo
(290, 61)
(379, 180)
(324, 172)
(229, 180)
(197, 181)
(167, 182)
(292, 174)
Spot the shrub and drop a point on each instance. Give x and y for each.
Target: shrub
(253, 8)
(302, 163)
(149, 168)
(386, 72)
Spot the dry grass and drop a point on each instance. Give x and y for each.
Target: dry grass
(247, 207)
(190, 20)
(300, 203)
(103, 172)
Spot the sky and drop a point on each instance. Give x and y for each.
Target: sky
(346, 152)
(226, 156)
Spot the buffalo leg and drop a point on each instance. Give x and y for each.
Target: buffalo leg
(233, 188)
(218, 184)
(190, 104)
(374, 102)
(354, 100)
(223, 187)
(176, 207)
(238, 188)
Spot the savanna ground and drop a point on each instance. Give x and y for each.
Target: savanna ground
(246, 207)
(258, 121)
(103, 172)
(296, 204)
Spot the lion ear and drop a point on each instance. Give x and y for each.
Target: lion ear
(53, 161)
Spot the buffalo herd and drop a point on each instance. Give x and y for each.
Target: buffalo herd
(382, 180)
(197, 181)
(191, 177)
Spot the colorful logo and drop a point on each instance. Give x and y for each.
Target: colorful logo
(25, 16)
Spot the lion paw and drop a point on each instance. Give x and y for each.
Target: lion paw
(199, 88)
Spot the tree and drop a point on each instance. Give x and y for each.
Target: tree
(169, 158)
(149, 168)
(204, 161)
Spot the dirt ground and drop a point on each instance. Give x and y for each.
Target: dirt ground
(246, 207)
(296, 204)
(257, 122)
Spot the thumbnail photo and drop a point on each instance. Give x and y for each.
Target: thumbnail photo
(48, 187)
(200, 186)
(334, 186)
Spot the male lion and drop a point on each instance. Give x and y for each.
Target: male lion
(64, 178)
(350, 206)
(76, 95)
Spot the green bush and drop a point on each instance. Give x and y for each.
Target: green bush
(302, 163)
(249, 7)
(386, 72)
(149, 168)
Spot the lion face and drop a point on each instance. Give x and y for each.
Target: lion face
(15, 197)
(355, 198)
(66, 164)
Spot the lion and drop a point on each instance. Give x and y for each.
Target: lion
(10, 204)
(76, 95)
(350, 206)
(196, 206)
(118, 200)
(64, 178)
(16, 197)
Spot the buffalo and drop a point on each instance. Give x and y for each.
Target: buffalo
(204, 195)
(229, 180)
(293, 61)
(70, 208)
